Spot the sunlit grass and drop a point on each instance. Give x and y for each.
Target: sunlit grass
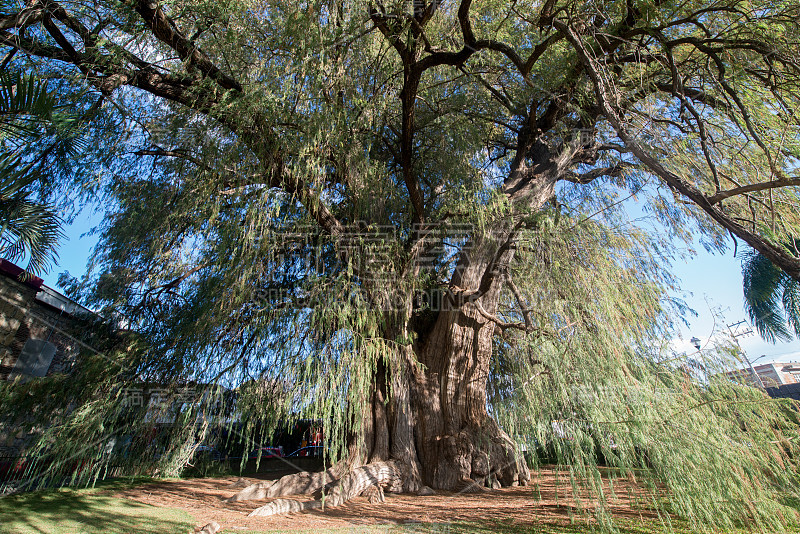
(87, 511)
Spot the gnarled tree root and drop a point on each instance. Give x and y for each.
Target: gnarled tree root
(378, 475)
(295, 484)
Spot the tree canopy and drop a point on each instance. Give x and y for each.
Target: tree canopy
(411, 219)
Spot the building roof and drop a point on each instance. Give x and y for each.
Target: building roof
(786, 391)
(45, 294)
(14, 271)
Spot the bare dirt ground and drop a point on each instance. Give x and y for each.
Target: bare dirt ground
(549, 499)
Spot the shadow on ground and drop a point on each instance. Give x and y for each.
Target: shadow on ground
(86, 511)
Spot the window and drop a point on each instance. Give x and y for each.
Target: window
(35, 358)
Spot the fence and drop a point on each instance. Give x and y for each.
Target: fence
(17, 472)
(29, 472)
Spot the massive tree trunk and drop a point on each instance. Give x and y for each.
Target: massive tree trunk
(428, 424)
(457, 441)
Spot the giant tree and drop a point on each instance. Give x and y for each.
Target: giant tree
(373, 199)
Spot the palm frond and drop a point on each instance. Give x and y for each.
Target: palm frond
(24, 104)
(15, 174)
(20, 93)
(791, 303)
(763, 288)
(29, 229)
(29, 117)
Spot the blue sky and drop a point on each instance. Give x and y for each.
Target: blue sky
(708, 280)
(715, 281)
(76, 247)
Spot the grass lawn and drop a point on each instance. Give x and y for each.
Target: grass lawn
(87, 511)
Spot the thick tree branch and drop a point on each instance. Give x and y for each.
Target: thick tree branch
(413, 71)
(590, 176)
(167, 32)
(28, 16)
(108, 75)
(499, 322)
(750, 188)
(493, 272)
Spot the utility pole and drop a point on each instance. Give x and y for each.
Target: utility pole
(735, 334)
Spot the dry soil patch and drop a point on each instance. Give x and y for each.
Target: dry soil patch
(548, 499)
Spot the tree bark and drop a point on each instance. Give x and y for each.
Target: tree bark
(457, 440)
(428, 423)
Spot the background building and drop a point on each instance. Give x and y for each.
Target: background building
(772, 375)
(34, 323)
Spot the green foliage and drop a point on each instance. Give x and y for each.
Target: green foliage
(29, 228)
(599, 387)
(46, 159)
(24, 98)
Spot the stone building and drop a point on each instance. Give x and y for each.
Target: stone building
(35, 321)
(34, 324)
